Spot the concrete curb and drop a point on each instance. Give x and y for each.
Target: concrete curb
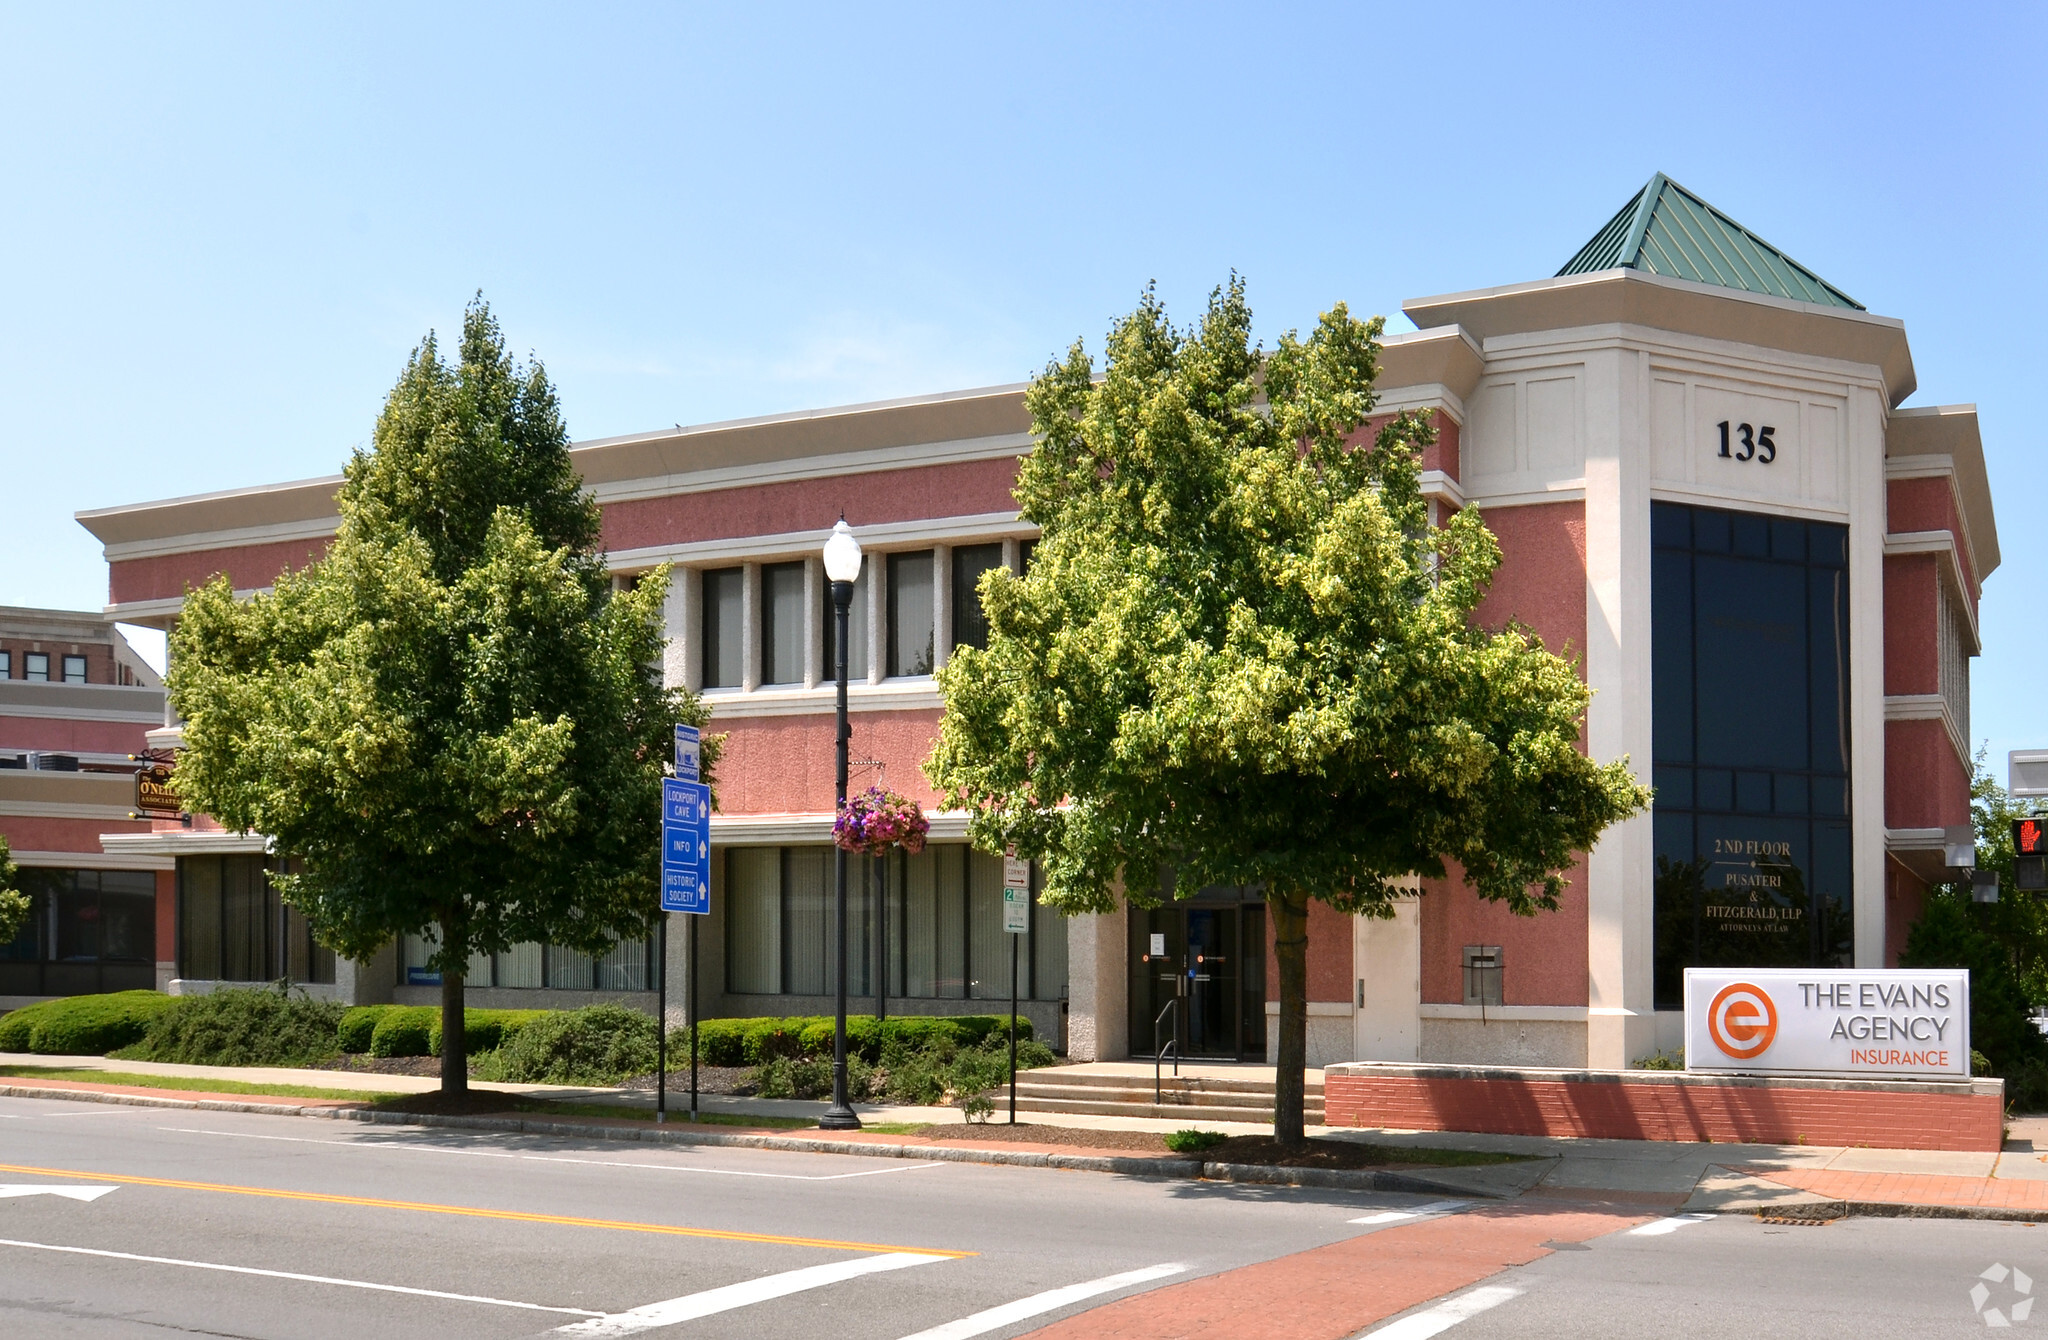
(1336, 1179)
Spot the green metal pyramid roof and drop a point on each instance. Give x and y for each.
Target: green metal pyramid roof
(1667, 230)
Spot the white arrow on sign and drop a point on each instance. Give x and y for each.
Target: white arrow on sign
(68, 1192)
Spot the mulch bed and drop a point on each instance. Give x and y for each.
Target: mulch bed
(472, 1102)
(1268, 1152)
(426, 1066)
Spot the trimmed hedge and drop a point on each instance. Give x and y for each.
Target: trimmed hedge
(740, 1042)
(483, 1030)
(241, 1026)
(598, 1044)
(82, 1025)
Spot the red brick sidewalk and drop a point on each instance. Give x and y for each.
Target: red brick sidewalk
(1912, 1188)
(1335, 1291)
(182, 1095)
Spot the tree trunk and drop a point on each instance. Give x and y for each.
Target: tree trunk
(1290, 947)
(454, 1043)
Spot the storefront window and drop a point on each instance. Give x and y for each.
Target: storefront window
(232, 927)
(87, 931)
(944, 926)
(1749, 632)
(628, 967)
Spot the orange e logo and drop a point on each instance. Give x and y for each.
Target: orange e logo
(1742, 1020)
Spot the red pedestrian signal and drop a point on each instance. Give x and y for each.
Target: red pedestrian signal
(2030, 837)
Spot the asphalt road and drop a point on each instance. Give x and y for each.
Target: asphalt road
(243, 1225)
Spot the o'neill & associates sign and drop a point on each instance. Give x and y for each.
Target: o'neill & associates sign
(1897, 1022)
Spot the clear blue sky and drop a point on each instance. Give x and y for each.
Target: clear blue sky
(223, 229)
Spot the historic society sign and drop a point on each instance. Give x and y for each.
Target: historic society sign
(1829, 1021)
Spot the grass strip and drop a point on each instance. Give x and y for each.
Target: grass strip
(676, 1117)
(187, 1083)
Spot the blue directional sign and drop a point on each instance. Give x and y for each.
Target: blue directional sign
(685, 846)
(687, 740)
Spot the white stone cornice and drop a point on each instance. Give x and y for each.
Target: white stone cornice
(92, 860)
(749, 830)
(984, 526)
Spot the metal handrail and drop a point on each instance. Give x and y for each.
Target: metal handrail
(1158, 1052)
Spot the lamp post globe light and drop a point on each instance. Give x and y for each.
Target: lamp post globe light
(842, 568)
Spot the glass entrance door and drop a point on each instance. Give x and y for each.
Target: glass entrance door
(1197, 973)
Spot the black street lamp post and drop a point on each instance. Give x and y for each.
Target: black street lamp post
(842, 567)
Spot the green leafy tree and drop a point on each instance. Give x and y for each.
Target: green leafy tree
(2003, 944)
(1242, 654)
(14, 903)
(451, 723)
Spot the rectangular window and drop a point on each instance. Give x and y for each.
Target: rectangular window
(725, 653)
(519, 966)
(782, 623)
(753, 920)
(1483, 985)
(910, 614)
(568, 969)
(1750, 743)
(74, 669)
(232, 926)
(970, 625)
(37, 666)
(856, 633)
(944, 934)
(6, 665)
(87, 931)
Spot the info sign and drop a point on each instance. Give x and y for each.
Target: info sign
(1016, 895)
(1870, 1023)
(685, 846)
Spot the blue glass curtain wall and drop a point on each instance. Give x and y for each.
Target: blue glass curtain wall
(1750, 693)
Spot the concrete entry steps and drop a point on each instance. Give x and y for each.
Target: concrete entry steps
(1233, 1093)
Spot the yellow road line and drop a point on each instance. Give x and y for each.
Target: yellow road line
(475, 1212)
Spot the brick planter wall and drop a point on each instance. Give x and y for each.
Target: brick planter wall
(1665, 1105)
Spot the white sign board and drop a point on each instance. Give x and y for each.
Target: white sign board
(1016, 895)
(1872, 1023)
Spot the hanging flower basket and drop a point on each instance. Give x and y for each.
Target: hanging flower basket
(877, 821)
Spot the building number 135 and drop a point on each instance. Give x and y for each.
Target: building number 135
(1756, 443)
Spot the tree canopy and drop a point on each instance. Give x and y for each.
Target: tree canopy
(1242, 654)
(14, 904)
(451, 723)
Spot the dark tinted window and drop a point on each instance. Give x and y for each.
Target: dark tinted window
(725, 598)
(970, 625)
(1750, 626)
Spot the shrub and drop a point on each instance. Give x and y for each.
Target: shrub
(737, 1042)
(598, 1044)
(358, 1023)
(82, 1025)
(1672, 1060)
(404, 1030)
(243, 1026)
(485, 1030)
(1192, 1141)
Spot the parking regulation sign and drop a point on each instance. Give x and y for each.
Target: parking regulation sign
(685, 846)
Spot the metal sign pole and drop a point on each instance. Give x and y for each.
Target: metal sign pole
(693, 1018)
(1014, 938)
(661, 1029)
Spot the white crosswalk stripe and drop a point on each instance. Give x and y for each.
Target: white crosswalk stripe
(1395, 1216)
(1039, 1303)
(713, 1301)
(1657, 1228)
(1446, 1314)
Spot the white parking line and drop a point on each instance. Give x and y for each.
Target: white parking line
(304, 1279)
(712, 1301)
(1446, 1314)
(1395, 1216)
(1657, 1228)
(983, 1322)
(552, 1158)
